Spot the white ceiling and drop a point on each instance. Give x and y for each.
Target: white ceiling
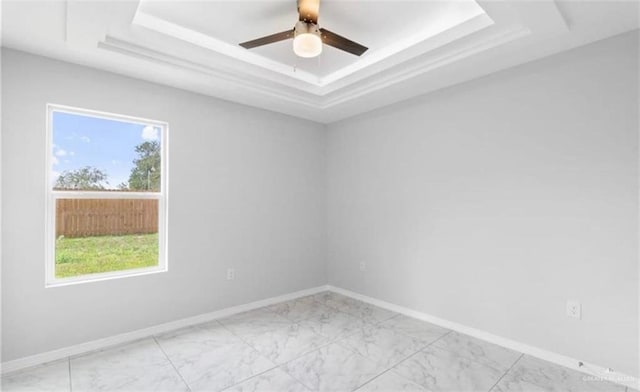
(414, 46)
(225, 24)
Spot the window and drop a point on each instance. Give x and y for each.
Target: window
(106, 195)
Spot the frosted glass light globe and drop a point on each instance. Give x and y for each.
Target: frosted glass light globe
(307, 45)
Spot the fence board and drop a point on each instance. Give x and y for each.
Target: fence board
(94, 217)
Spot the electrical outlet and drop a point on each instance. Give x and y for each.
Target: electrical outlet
(574, 309)
(231, 274)
(363, 266)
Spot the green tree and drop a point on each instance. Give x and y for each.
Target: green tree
(145, 174)
(86, 178)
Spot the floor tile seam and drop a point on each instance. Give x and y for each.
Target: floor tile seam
(324, 344)
(330, 308)
(354, 315)
(172, 364)
(284, 365)
(308, 349)
(391, 367)
(375, 378)
(419, 351)
(438, 348)
(412, 355)
(423, 343)
(359, 316)
(284, 369)
(315, 318)
(363, 319)
(422, 347)
(401, 332)
(278, 329)
(390, 370)
(306, 318)
(279, 315)
(257, 352)
(312, 349)
(418, 338)
(262, 373)
(326, 304)
(471, 359)
(249, 378)
(317, 348)
(251, 346)
(243, 340)
(396, 372)
(506, 372)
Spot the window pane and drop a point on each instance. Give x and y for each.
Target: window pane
(93, 153)
(105, 235)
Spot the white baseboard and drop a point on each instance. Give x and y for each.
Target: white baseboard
(101, 344)
(593, 370)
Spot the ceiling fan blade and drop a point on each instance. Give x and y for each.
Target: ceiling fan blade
(308, 10)
(340, 42)
(269, 39)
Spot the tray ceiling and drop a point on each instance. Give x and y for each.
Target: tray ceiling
(414, 46)
(220, 26)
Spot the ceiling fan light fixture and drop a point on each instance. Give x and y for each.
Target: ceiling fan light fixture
(308, 39)
(307, 42)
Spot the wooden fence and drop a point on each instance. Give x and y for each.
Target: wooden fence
(94, 217)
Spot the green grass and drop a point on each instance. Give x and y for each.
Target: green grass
(90, 255)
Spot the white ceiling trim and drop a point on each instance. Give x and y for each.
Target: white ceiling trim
(428, 65)
(205, 41)
(373, 84)
(147, 54)
(422, 49)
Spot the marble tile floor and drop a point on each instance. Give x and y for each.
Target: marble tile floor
(324, 342)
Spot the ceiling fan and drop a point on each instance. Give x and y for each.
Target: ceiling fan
(307, 37)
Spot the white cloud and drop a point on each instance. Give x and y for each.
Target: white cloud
(71, 153)
(54, 176)
(150, 133)
(85, 139)
(61, 153)
(54, 160)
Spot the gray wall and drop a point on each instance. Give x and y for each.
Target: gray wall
(489, 204)
(492, 203)
(247, 190)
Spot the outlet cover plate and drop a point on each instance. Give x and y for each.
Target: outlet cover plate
(574, 309)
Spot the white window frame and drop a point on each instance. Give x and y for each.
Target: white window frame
(52, 196)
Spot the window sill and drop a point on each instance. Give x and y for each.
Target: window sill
(61, 282)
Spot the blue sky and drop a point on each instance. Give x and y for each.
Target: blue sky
(108, 145)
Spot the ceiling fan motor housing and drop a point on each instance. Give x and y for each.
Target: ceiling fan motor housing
(303, 27)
